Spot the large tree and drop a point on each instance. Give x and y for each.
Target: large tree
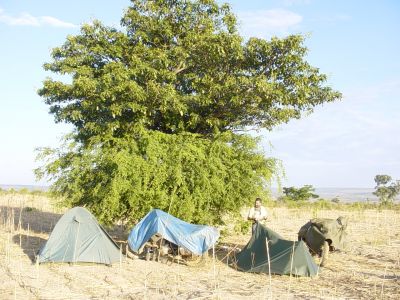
(159, 108)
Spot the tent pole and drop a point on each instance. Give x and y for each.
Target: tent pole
(76, 242)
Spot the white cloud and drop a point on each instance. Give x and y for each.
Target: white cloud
(56, 22)
(268, 22)
(26, 19)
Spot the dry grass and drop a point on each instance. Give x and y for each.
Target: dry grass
(369, 269)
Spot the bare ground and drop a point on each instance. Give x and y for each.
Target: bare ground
(369, 269)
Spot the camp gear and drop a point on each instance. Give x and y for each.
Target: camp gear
(77, 237)
(285, 257)
(195, 238)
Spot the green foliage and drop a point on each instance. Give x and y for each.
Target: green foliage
(39, 193)
(24, 191)
(193, 178)
(324, 204)
(158, 106)
(384, 191)
(343, 206)
(335, 199)
(382, 179)
(179, 66)
(299, 194)
(242, 226)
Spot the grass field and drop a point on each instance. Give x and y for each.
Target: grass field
(368, 269)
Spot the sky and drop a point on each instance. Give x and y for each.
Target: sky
(342, 144)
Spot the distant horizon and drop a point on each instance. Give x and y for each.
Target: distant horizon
(345, 194)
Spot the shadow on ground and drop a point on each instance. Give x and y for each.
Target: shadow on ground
(29, 244)
(226, 252)
(31, 219)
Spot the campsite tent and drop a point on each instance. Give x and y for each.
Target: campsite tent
(254, 257)
(195, 238)
(77, 237)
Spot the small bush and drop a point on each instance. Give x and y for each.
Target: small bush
(323, 204)
(242, 226)
(335, 200)
(30, 209)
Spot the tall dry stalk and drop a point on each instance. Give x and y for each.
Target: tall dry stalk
(269, 268)
(214, 270)
(291, 267)
(383, 282)
(27, 238)
(15, 290)
(20, 217)
(120, 257)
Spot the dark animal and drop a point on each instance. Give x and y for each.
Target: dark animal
(324, 235)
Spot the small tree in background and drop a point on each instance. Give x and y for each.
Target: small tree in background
(386, 189)
(299, 194)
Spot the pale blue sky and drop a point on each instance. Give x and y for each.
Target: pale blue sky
(344, 144)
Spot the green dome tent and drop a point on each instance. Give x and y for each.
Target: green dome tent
(77, 237)
(254, 257)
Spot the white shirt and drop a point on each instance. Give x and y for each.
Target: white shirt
(257, 213)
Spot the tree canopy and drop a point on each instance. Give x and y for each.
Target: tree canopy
(300, 194)
(172, 91)
(386, 189)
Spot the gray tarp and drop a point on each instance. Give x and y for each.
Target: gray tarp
(77, 237)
